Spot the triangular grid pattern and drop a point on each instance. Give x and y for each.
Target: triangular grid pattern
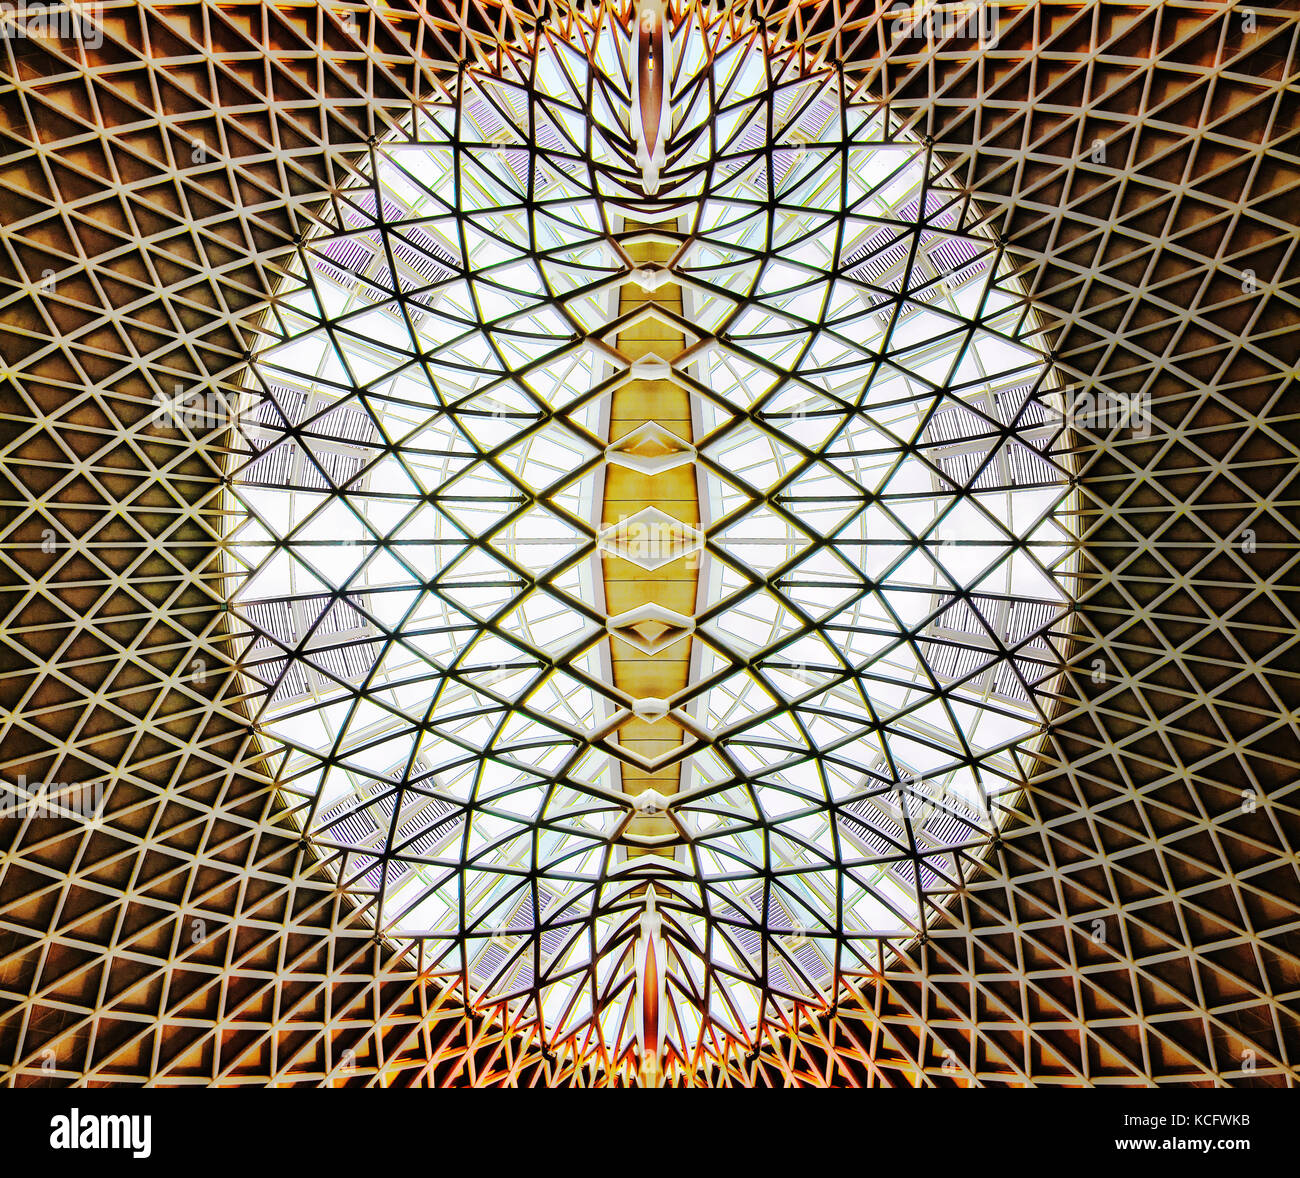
(429, 555)
(1136, 922)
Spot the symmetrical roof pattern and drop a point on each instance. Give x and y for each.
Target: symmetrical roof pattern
(1136, 919)
(650, 564)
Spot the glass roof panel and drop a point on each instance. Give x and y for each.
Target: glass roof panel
(644, 540)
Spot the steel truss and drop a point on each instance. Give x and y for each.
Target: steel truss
(1130, 923)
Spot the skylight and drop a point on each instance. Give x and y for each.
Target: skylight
(649, 547)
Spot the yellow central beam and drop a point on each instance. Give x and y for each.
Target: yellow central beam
(627, 491)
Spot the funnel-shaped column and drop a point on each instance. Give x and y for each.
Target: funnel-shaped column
(650, 105)
(650, 993)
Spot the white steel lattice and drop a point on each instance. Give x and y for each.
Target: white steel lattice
(1132, 921)
(877, 577)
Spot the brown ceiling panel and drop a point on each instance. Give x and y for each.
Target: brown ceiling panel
(1137, 922)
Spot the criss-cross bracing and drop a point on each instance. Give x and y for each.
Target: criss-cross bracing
(649, 532)
(182, 185)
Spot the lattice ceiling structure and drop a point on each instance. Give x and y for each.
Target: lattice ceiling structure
(242, 202)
